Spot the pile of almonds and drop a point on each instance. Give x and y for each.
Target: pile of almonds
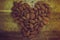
(30, 19)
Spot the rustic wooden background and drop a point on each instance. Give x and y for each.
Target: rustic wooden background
(10, 30)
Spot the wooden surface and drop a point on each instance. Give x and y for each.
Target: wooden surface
(6, 24)
(53, 35)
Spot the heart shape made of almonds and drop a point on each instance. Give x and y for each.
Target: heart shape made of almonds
(31, 19)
